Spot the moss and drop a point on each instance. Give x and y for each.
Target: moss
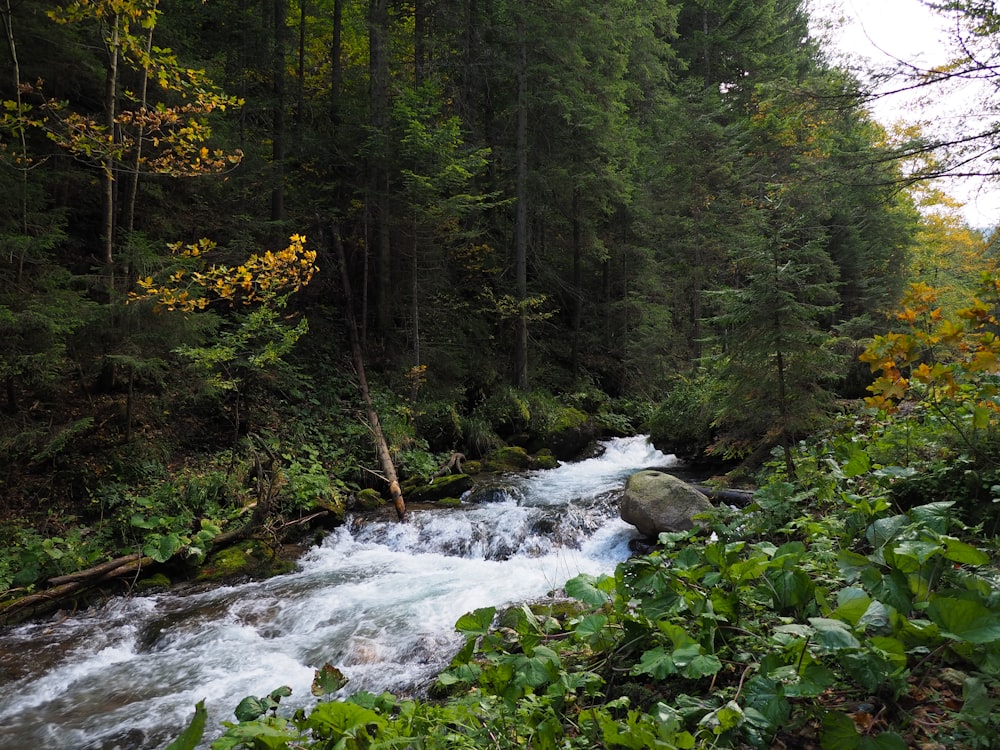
(508, 458)
(544, 459)
(568, 419)
(368, 499)
(250, 558)
(450, 502)
(153, 583)
(450, 485)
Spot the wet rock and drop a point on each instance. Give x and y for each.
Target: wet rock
(655, 501)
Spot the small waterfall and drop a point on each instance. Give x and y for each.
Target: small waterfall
(379, 600)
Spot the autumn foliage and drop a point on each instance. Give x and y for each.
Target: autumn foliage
(940, 358)
(259, 279)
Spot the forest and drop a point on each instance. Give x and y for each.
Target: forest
(264, 263)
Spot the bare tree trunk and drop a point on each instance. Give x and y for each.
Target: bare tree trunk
(8, 23)
(378, 46)
(521, 216)
(278, 135)
(577, 283)
(108, 167)
(381, 447)
(336, 60)
(300, 74)
(133, 185)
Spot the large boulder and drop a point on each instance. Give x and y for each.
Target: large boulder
(655, 501)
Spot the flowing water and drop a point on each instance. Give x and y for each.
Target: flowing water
(378, 600)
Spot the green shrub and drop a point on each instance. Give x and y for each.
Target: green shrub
(683, 422)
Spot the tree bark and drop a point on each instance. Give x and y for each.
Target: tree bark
(378, 65)
(336, 60)
(381, 447)
(108, 166)
(278, 135)
(521, 216)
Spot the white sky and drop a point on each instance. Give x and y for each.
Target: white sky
(883, 31)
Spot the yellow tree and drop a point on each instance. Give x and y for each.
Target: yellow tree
(947, 364)
(255, 333)
(133, 136)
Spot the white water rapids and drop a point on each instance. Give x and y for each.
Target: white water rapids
(378, 600)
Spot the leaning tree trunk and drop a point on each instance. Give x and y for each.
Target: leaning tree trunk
(381, 447)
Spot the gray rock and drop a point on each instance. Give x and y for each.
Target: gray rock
(655, 501)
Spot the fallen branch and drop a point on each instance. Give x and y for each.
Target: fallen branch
(381, 447)
(454, 462)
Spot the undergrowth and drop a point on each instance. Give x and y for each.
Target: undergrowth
(824, 615)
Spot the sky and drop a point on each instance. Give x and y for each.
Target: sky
(883, 31)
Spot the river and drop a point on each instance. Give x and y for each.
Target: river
(378, 600)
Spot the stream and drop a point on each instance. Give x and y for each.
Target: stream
(376, 599)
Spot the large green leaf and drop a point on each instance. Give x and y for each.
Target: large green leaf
(790, 588)
(327, 680)
(964, 620)
(191, 736)
(161, 547)
(963, 553)
(833, 635)
(586, 588)
(657, 663)
(838, 733)
(936, 516)
(475, 624)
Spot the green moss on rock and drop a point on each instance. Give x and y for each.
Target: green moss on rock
(250, 558)
(450, 485)
(544, 459)
(153, 583)
(508, 458)
(368, 499)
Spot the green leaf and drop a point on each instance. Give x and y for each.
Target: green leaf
(656, 662)
(191, 737)
(962, 553)
(790, 588)
(278, 693)
(585, 588)
(964, 620)
(859, 463)
(593, 630)
(328, 679)
(337, 719)
(936, 516)
(475, 624)
(833, 635)
(838, 733)
(251, 708)
(161, 547)
(853, 603)
(701, 666)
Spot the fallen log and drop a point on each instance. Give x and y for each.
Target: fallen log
(740, 498)
(97, 570)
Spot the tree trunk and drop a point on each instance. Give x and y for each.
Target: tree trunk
(521, 216)
(108, 166)
(378, 62)
(278, 134)
(381, 447)
(577, 284)
(336, 60)
(300, 83)
(133, 184)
